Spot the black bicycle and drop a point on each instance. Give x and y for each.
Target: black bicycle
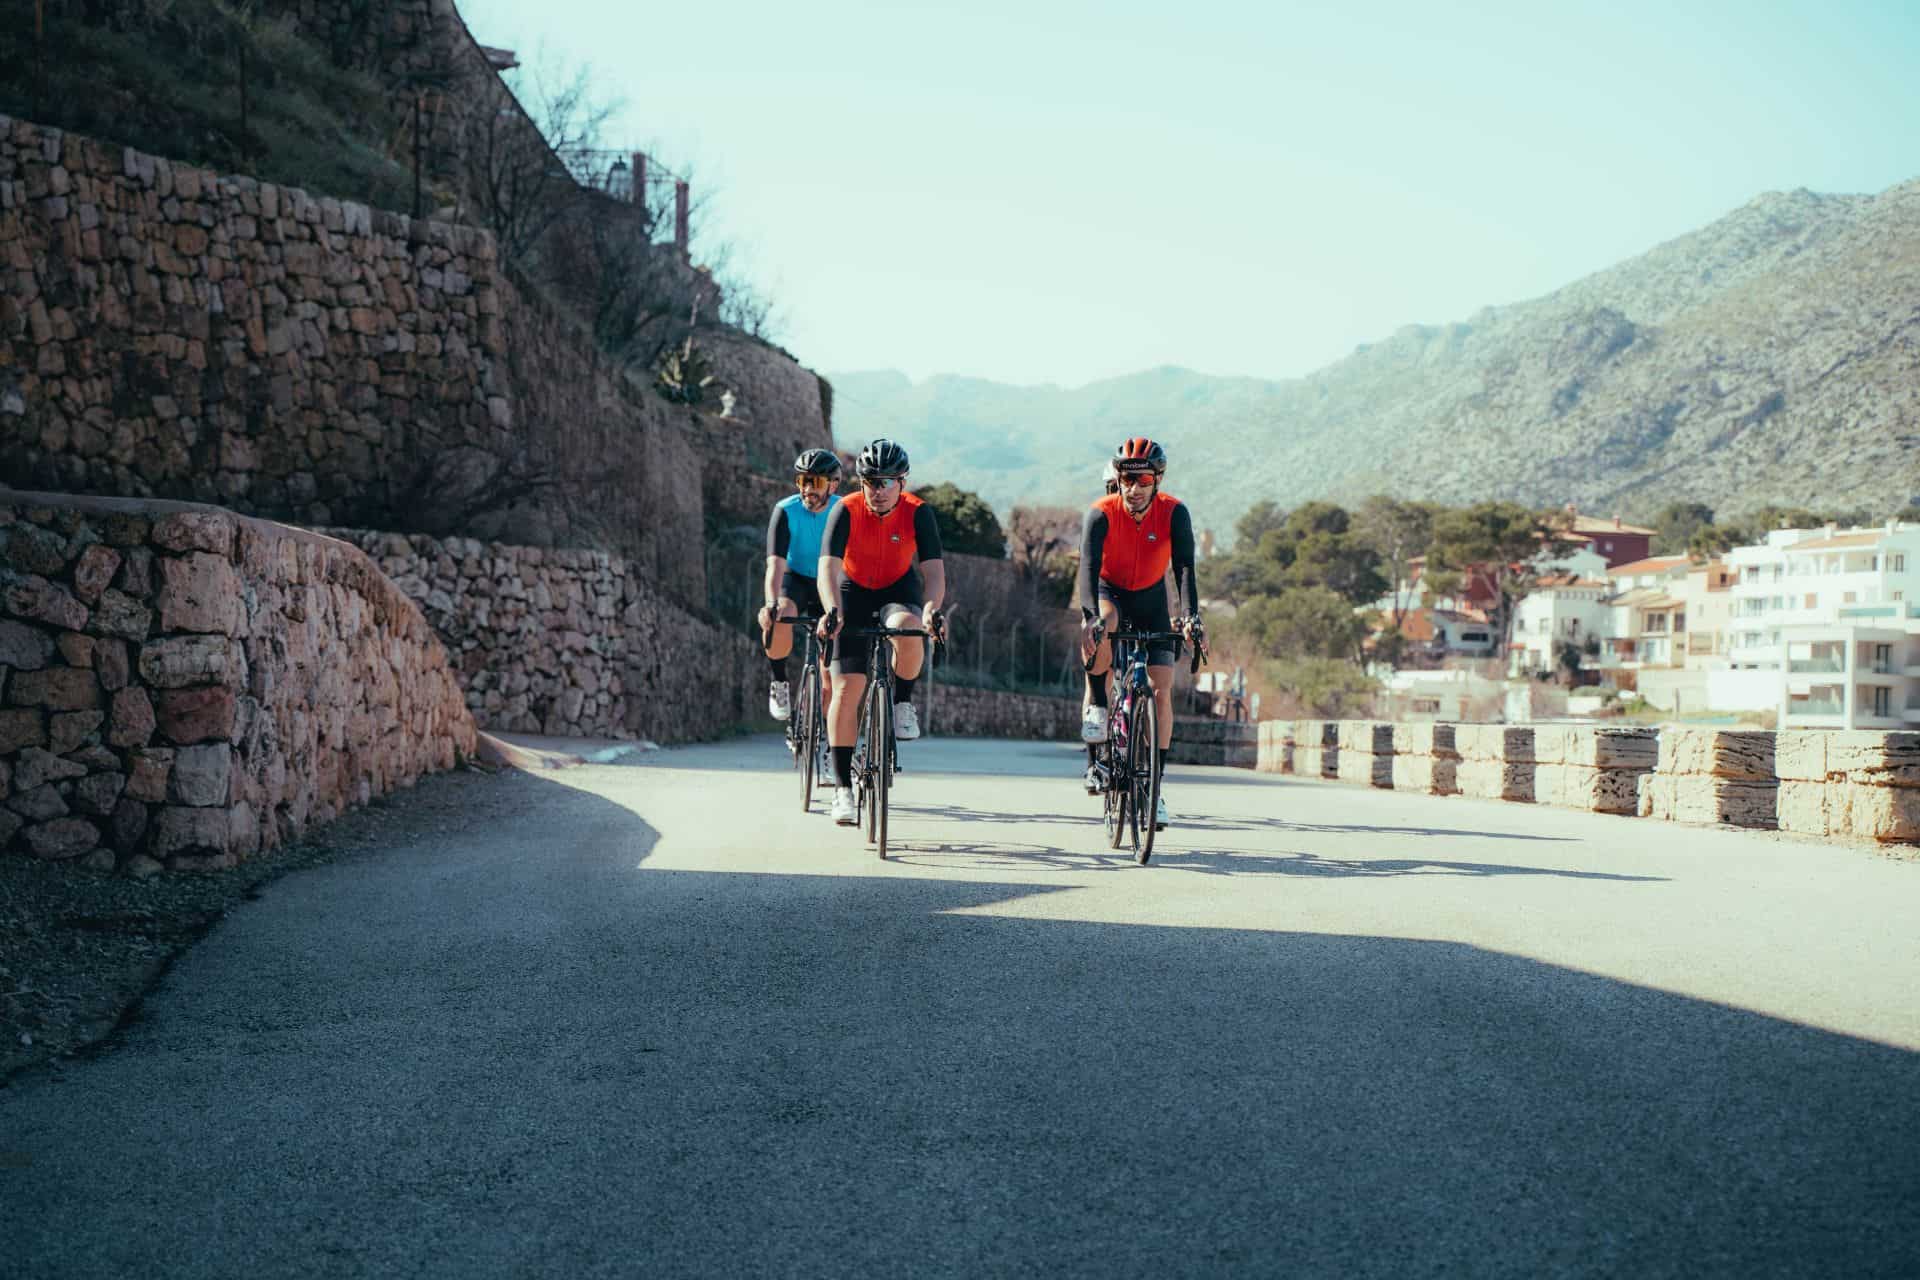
(875, 754)
(806, 722)
(1128, 765)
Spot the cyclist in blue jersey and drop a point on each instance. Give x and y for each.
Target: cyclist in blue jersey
(793, 555)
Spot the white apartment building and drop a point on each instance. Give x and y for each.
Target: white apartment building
(1861, 671)
(1647, 620)
(1562, 609)
(1807, 576)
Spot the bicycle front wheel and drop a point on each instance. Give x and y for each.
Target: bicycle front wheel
(883, 763)
(1145, 782)
(808, 711)
(1118, 793)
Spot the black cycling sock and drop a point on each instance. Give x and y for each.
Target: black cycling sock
(1093, 754)
(903, 688)
(1097, 690)
(779, 668)
(1160, 766)
(843, 766)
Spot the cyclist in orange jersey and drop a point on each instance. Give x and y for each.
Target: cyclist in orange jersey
(1128, 542)
(867, 579)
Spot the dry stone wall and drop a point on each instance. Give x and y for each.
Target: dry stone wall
(170, 332)
(183, 687)
(572, 643)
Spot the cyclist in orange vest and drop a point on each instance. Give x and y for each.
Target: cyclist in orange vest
(1127, 543)
(867, 578)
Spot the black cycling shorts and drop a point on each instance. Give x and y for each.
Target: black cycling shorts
(1145, 610)
(863, 608)
(804, 592)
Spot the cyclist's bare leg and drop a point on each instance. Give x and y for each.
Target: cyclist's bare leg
(843, 715)
(1162, 681)
(908, 651)
(1103, 652)
(783, 636)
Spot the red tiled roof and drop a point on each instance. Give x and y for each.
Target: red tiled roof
(1653, 564)
(1839, 541)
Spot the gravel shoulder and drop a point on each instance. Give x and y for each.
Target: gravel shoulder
(80, 949)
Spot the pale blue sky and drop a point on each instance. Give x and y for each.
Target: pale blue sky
(1056, 191)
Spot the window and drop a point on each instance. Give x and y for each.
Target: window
(1897, 596)
(1426, 706)
(1813, 600)
(1846, 597)
(1883, 658)
(1882, 700)
(1898, 564)
(1473, 637)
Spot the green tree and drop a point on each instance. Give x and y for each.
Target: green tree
(1398, 533)
(1304, 622)
(967, 524)
(1676, 524)
(1501, 542)
(1325, 686)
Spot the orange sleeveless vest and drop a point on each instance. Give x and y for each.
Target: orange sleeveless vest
(1136, 556)
(879, 548)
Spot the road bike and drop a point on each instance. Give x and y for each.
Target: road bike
(1128, 763)
(806, 723)
(875, 754)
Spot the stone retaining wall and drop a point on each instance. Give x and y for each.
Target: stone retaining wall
(572, 643)
(961, 712)
(1854, 785)
(184, 687)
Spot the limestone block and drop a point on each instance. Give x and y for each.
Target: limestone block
(147, 773)
(1510, 744)
(187, 716)
(1875, 759)
(24, 727)
(94, 570)
(1800, 755)
(1551, 744)
(41, 804)
(195, 531)
(35, 767)
(1426, 775)
(69, 729)
(202, 775)
(32, 597)
(1430, 739)
(119, 614)
(178, 661)
(1803, 804)
(199, 592)
(191, 831)
(1710, 799)
(24, 647)
(98, 793)
(1744, 754)
(1365, 768)
(1374, 737)
(1496, 779)
(62, 838)
(1609, 748)
(1578, 786)
(1874, 813)
(56, 688)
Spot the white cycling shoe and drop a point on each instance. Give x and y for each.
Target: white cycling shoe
(1160, 818)
(779, 700)
(1093, 724)
(906, 722)
(843, 811)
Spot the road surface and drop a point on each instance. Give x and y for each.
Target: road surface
(661, 1024)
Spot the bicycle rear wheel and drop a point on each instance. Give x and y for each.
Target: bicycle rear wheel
(1145, 782)
(1119, 789)
(883, 764)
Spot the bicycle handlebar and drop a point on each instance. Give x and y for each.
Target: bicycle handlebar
(1148, 637)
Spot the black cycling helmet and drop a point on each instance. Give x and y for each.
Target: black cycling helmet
(1139, 454)
(818, 462)
(882, 457)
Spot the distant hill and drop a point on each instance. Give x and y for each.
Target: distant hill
(1772, 356)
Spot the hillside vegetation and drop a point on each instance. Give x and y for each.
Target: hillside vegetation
(1772, 357)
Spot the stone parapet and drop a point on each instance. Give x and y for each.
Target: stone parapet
(961, 712)
(1856, 785)
(184, 687)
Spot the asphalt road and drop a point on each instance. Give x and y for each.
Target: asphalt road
(662, 1024)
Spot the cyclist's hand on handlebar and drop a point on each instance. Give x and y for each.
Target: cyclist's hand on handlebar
(936, 623)
(766, 619)
(829, 625)
(1090, 634)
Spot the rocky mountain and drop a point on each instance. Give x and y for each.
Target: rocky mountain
(1772, 356)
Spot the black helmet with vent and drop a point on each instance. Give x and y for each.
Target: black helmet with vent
(818, 462)
(881, 458)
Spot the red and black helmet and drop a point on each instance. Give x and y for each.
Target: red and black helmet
(1140, 454)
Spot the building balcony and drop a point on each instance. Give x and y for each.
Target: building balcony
(1816, 708)
(1828, 666)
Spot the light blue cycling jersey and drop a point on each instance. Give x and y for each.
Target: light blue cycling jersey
(804, 530)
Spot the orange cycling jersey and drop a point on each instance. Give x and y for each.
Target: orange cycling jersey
(1135, 556)
(879, 548)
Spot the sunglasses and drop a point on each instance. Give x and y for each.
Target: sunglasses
(878, 482)
(813, 484)
(1138, 479)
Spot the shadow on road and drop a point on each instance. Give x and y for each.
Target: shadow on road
(533, 1055)
(1091, 818)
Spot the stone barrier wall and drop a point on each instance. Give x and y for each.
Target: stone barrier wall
(961, 712)
(184, 687)
(572, 643)
(1851, 785)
